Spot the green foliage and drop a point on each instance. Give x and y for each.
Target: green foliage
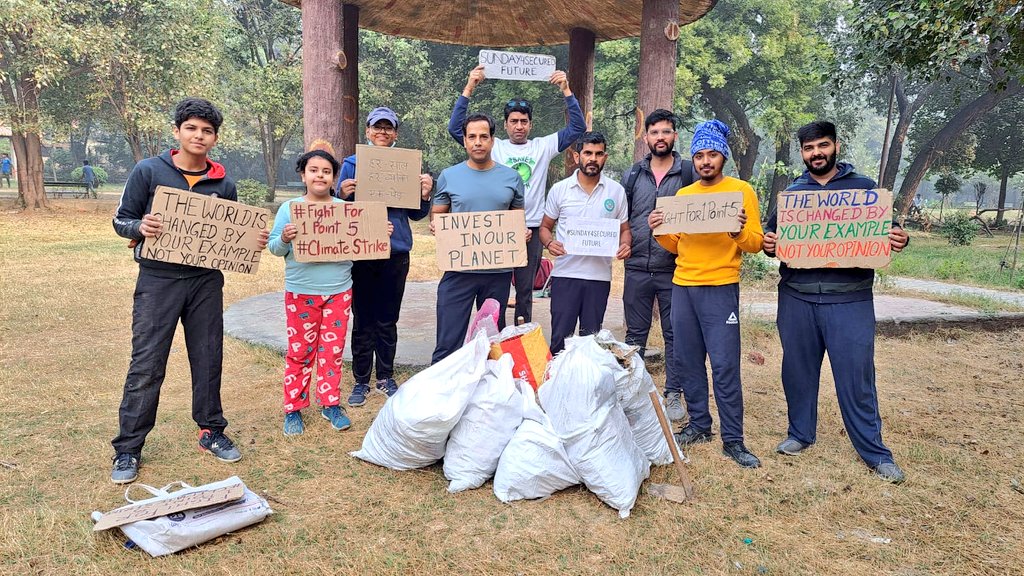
(251, 192)
(948, 183)
(959, 229)
(999, 135)
(755, 266)
(952, 269)
(101, 175)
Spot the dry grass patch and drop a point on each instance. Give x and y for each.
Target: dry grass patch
(952, 406)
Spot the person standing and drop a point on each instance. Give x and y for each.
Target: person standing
(830, 310)
(650, 268)
(6, 167)
(530, 158)
(89, 177)
(477, 185)
(379, 285)
(706, 299)
(580, 284)
(166, 293)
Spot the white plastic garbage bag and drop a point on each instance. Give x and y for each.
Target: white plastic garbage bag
(534, 463)
(491, 418)
(411, 430)
(581, 402)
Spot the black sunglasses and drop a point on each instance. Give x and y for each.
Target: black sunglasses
(517, 104)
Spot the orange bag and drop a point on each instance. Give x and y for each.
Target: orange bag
(530, 353)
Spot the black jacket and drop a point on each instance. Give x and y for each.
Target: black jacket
(646, 254)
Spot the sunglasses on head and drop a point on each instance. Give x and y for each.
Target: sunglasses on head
(517, 104)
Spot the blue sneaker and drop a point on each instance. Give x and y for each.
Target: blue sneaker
(339, 420)
(219, 445)
(293, 425)
(126, 468)
(358, 396)
(387, 387)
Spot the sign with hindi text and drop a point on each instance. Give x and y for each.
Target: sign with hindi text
(336, 231)
(187, 500)
(591, 236)
(205, 231)
(480, 240)
(700, 213)
(500, 65)
(834, 228)
(388, 175)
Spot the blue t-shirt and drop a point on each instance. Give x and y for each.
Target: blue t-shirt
(308, 278)
(5, 165)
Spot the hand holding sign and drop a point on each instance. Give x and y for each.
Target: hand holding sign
(836, 229)
(338, 231)
(480, 240)
(389, 175)
(699, 214)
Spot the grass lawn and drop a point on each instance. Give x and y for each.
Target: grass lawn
(952, 406)
(930, 255)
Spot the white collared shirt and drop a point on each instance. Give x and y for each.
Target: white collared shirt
(567, 199)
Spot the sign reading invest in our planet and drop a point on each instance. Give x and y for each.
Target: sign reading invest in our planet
(336, 231)
(834, 228)
(480, 240)
(700, 213)
(500, 65)
(389, 175)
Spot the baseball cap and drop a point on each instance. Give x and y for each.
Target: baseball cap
(382, 113)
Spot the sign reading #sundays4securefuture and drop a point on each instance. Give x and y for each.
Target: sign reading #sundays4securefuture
(592, 236)
(516, 65)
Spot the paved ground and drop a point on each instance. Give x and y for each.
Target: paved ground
(260, 319)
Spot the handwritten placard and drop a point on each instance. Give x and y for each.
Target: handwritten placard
(480, 240)
(834, 228)
(388, 175)
(185, 501)
(591, 236)
(500, 65)
(207, 232)
(336, 231)
(700, 213)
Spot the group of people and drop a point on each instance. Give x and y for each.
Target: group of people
(694, 278)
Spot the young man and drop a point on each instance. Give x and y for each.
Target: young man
(650, 267)
(166, 293)
(6, 167)
(530, 158)
(89, 177)
(477, 185)
(706, 299)
(830, 310)
(580, 284)
(379, 285)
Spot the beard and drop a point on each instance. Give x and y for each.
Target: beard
(591, 169)
(667, 151)
(830, 163)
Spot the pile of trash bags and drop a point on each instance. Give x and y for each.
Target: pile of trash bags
(590, 422)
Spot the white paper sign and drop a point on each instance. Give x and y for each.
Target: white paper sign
(591, 236)
(517, 65)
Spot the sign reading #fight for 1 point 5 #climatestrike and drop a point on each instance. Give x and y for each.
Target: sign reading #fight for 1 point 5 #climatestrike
(834, 228)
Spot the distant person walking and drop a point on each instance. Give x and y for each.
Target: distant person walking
(89, 177)
(5, 168)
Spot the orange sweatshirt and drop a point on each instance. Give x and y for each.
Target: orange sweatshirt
(714, 259)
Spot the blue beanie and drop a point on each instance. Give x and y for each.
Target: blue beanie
(710, 135)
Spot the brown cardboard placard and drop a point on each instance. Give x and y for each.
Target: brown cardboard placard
(205, 231)
(700, 213)
(834, 228)
(336, 231)
(388, 175)
(146, 510)
(480, 240)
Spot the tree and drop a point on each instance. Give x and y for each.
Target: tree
(979, 195)
(999, 136)
(947, 184)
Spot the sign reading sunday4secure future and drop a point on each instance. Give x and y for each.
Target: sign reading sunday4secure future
(834, 228)
(516, 65)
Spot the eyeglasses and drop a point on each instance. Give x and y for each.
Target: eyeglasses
(383, 129)
(657, 133)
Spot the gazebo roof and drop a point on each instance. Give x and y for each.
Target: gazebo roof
(509, 23)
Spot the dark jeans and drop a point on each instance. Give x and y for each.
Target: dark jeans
(377, 290)
(159, 303)
(705, 320)
(456, 294)
(574, 299)
(525, 276)
(639, 291)
(847, 332)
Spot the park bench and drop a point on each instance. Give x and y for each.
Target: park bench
(60, 188)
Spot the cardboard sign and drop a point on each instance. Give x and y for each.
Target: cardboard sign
(388, 175)
(186, 501)
(480, 240)
(700, 213)
(517, 66)
(591, 236)
(834, 228)
(336, 231)
(207, 232)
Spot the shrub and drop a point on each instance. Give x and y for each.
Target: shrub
(953, 269)
(101, 175)
(959, 229)
(755, 266)
(251, 192)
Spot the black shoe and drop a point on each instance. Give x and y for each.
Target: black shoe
(126, 468)
(219, 445)
(691, 435)
(739, 453)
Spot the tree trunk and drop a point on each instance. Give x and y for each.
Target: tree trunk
(134, 140)
(937, 146)
(743, 141)
(330, 74)
(581, 79)
(907, 110)
(659, 30)
(781, 179)
(1003, 177)
(23, 101)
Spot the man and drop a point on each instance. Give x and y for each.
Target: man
(477, 185)
(166, 293)
(6, 168)
(530, 158)
(379, 285)
(706, 299)
(650, 267)
(580, 284)
(830, 310)
(89, 177)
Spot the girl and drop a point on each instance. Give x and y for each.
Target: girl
(317, 301)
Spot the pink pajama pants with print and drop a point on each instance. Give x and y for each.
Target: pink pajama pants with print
(316, 331)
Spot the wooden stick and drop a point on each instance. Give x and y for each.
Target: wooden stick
(676, 458)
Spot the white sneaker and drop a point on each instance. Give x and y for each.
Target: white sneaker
(674, 407)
